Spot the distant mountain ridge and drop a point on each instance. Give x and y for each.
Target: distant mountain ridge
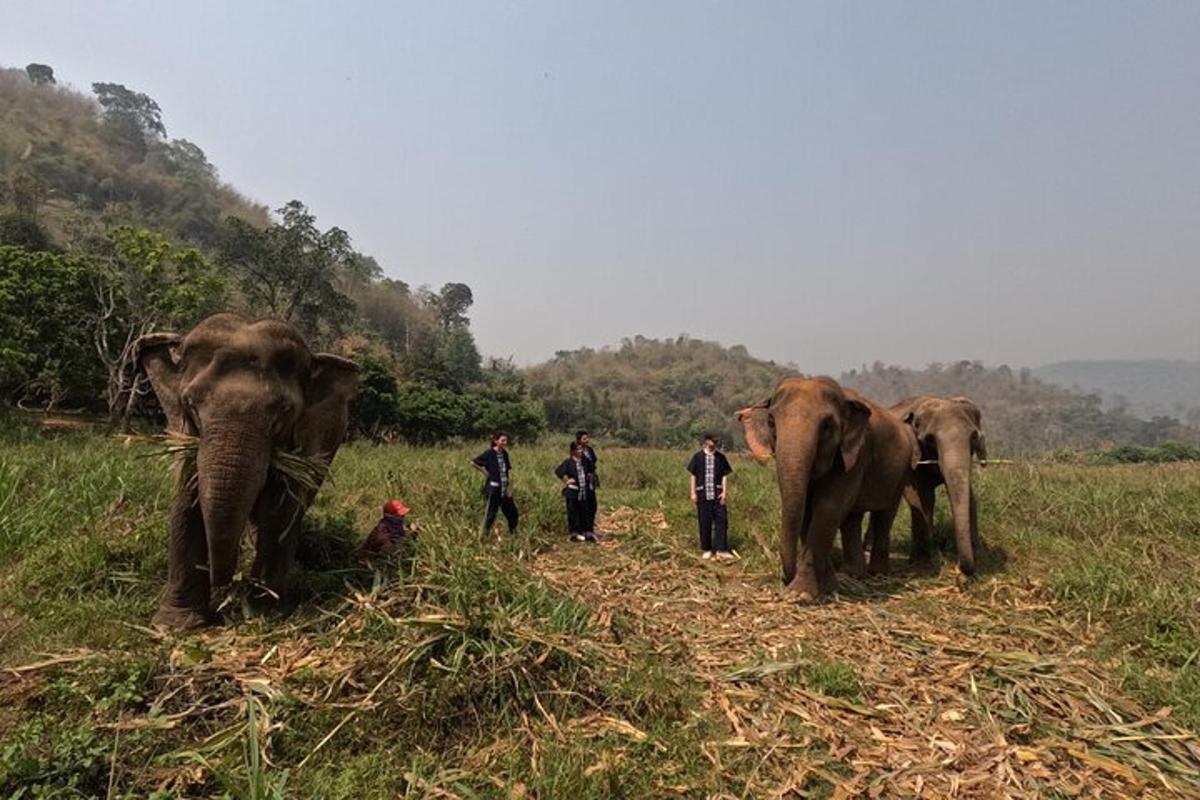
(1146, 388)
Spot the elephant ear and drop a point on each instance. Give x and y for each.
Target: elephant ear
(154, 354)
(914, 445)
(759, 429)
(332, 382)
(854, 432)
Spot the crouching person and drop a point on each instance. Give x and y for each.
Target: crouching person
(393, 535)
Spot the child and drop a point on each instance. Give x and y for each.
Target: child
(574, 474)
(496, 464)
(709, 481)
(390, 534)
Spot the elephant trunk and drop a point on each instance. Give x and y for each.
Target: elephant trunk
(231, 469)
(794, 458)
(954, 460)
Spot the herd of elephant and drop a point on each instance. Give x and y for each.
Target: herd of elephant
(840, 457)
(246, 389)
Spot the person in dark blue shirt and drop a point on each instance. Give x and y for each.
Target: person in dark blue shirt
(574, 475)
(709, 482)
(589, 461)
(496, 464)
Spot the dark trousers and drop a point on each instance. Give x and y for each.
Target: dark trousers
(714, 525)
(498, 502)
(581, 514)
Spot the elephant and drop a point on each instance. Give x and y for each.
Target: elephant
(949, 432)
(838, 456)
(245, 388)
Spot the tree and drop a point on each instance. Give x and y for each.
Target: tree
(452, 303)
(20, 230)
(40, 74)
(45, 352)
(144, 283)
(132, 119)
(292, 269)
(120, 103)
(460, 361)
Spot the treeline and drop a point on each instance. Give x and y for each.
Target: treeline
(1022, 415)
(79, 286)
(653, 391)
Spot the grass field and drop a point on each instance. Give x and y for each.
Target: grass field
(530, 667)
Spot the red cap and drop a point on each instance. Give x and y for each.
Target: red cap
(395, 507)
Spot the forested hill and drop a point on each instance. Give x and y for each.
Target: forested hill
(110, 229)
(1147, 388)
(652, 391)
(80, 164)
(1021, 413)
(667, 392)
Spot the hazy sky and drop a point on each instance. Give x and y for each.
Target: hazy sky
(827, 183)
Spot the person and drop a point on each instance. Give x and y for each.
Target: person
(574, 475)
(709, 482)
(496, 465)
(390, 535)
(589, 462)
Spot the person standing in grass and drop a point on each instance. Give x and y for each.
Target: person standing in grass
(709, 482)
(496, 465)
(574, 475)
(589, 462)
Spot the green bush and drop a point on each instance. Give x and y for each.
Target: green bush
(1165, 453)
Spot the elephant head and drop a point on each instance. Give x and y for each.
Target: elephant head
(243, 388)
(949, 430)
(815, 430)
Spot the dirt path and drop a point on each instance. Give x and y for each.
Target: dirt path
(902, 688)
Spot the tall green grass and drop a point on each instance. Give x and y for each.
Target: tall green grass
(476, 658)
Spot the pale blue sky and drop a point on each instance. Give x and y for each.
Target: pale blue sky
(826, 183)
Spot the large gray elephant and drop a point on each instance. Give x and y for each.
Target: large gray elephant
(837, 456)
(245, 388)
(949, 431)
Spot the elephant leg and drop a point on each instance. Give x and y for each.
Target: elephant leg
(881, 539)
(921, 501)
(186, 600)
(852, 546)
(815, 577)
(277, 519)
(976, 541)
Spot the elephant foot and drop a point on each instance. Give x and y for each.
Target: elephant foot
(176, 618)
(879, 569)
(804, 592)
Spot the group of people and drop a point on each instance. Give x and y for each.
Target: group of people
(709, 472)
(708, 482)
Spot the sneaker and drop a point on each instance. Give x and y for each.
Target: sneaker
(706, 555)
(725, 555)
(590, 537)
(577, 537)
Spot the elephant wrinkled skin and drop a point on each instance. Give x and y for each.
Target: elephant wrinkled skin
(838, 457)
(949, 431)
(244, 388)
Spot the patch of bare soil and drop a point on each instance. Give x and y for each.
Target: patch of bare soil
(957, 694)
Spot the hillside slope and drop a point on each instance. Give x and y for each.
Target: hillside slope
(73, 164)
(1148, 389)
(652, 391)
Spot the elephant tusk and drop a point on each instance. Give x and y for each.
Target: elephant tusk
(985, 462)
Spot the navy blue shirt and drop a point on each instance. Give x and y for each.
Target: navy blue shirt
(574, 470)
(708, 486)
(498, 465)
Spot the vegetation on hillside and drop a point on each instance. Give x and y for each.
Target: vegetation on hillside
(1147, 388)
(667, 392)
(653, 391)
(527, 667)
(1021, 414)
(109, 230)
(79, 165)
